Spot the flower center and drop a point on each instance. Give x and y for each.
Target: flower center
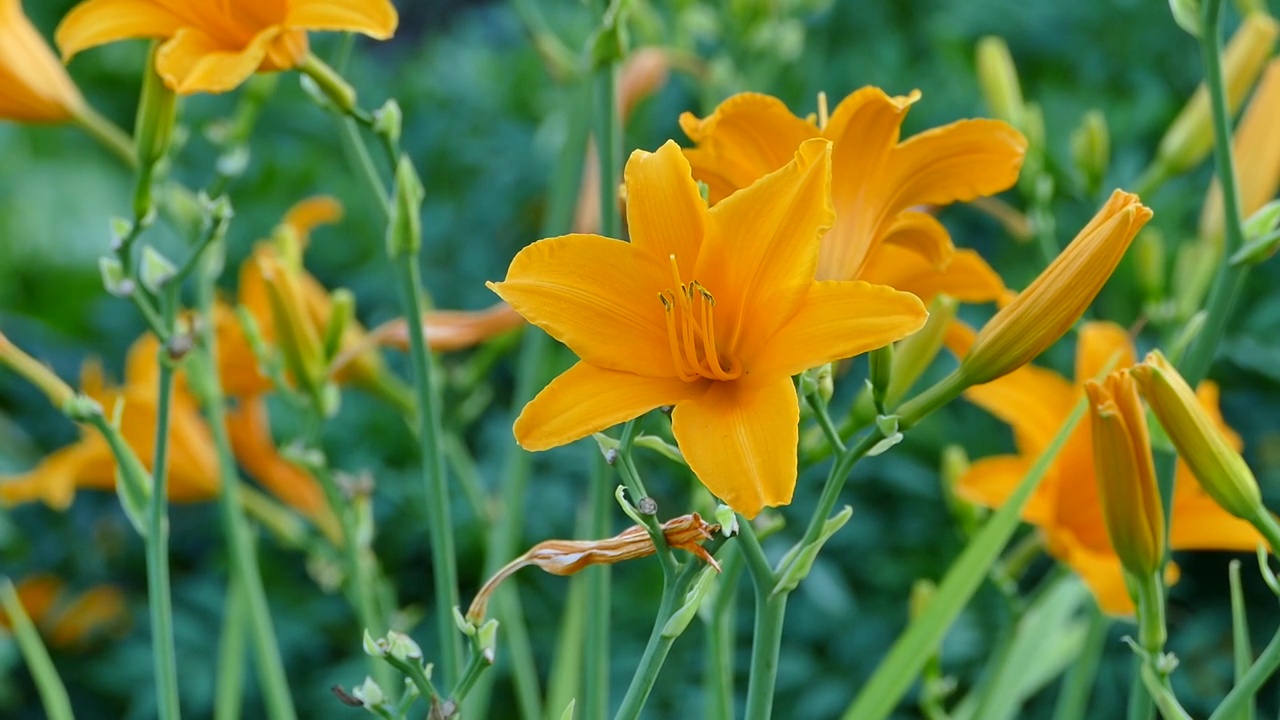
(691, 331)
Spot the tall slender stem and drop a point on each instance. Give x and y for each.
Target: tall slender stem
(771, 610)
(244, 559)
(439, 516)
(159, 598)
(721, 641)
(660, 642)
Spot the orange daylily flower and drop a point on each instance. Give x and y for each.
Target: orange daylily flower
(68, 620)
(709, 310)
(34, 87)
(879, 184)
(214, 46)
(1066, 507)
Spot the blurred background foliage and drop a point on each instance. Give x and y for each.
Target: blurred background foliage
(484, 121)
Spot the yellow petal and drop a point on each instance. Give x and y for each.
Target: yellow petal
(34, 86)
(586, 399)
(596, 295)
(990, 481)
(761, 248)
(747, 137)
(921, 233)
(665, 213)
(54, 480)
(375, 18)
(740, 439)
(1100, 571)
(967, 277)
(97, 610)
(97, 22)
(1102, 346)
(864, 129)
(193, 61)
(311, 213)
(1199, 523)
(1033, 400)
(837, 320)
(957, 163)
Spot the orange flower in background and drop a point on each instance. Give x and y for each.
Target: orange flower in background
(449, 330)
(879, 184)
(66, 619)
(1257, 153)
(214, 46)
(34, 86)
(1035, 401)
(711, 311)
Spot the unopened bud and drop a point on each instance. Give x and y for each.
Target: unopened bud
(1091, 149)
(404, 229)
(1262, 236)
(1193, 271)
(402, 647)
(342, 303)
(326, 86)
(388, 120)
(113, 278)
(914, 354)
(155, 270)
(1149, 263)
(998, 79)
(881, 374)
(33, 371)
(1187, 14)
(369, 693)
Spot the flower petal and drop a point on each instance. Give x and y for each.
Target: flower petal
(596, 295)
(864, 129)
(837, 320)
(1199, 523)
(1102, 345)
(666, 214)
(1033, 400)
(193, 61)
(967, 277)
(990, 481)
(740, 440)
(97, 22)
(761, 248)
(1100, 571)
(921, 233)
(957, 163)
(586, 399)
(375, 18)
(250, 429)
(747, 137)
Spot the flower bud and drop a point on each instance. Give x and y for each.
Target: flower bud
(1149, 265)
(297, 337)
(1200, 443)
(154, 270)
(1257, 154)
(1125, 474)
(369, 693)
(404, 229)
(915, 353)
(59, 393)
(1057, 298)
(998, 79)
(1190, 138)
(1091, 149)
(113, 278)
(34, 85)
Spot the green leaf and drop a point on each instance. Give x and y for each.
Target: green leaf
(899, 669)
(798, 561)
(53, 694)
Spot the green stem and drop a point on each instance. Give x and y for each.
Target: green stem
(1230, 279)
(364, 163)
(721, 640)
(159, 597)
(766, 646)
(53, 694)
(439, 517)
(597, 660)
(1077, 687)
(475, 668)
(229, 684)
(1249, 685)
(1242, 648)
(244, 560)
(660, 642)
(108, 134)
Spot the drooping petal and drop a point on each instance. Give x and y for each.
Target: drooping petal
(54, 480)
(761, 247)
(957, 163)
(967, 277)
(990, 481)
(306, 215)
(665, 213)
(747, 137)
(836, 320)
(922, 234)
(1102, 346)
(596, 295)
(193, 61)
(586, 399)
(375, 18)
(1033, 400)
(740, 439)
(1199, 523)
(97, 22)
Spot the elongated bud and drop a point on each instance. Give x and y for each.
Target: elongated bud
(404, 229)
(1091, 149)
(1125, 473)
(1216, 465)
(157, 114)
(998, 79)
(1257, 154)
(1057, 298)
(297, 337)
(915, 353)
(388, 121)
(1190, 138)
(33, 371)
(154, 269)
(342, 303)
(1187, 14)
(1149, 265)
(331, 86)
(1193, 271)
(881, 361)
(113, 277)
(566, 557)
(1262, 236)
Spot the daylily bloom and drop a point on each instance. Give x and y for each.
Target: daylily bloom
(879, 184)
(1126, 473)
(34, 86)
(711, 311)
(1257, 153)
(1035, 401)
(214, 46)
(68, 619)
(449, 330)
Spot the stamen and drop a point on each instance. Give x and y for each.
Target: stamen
(668, 304)
(709, 336)
(822, 110)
